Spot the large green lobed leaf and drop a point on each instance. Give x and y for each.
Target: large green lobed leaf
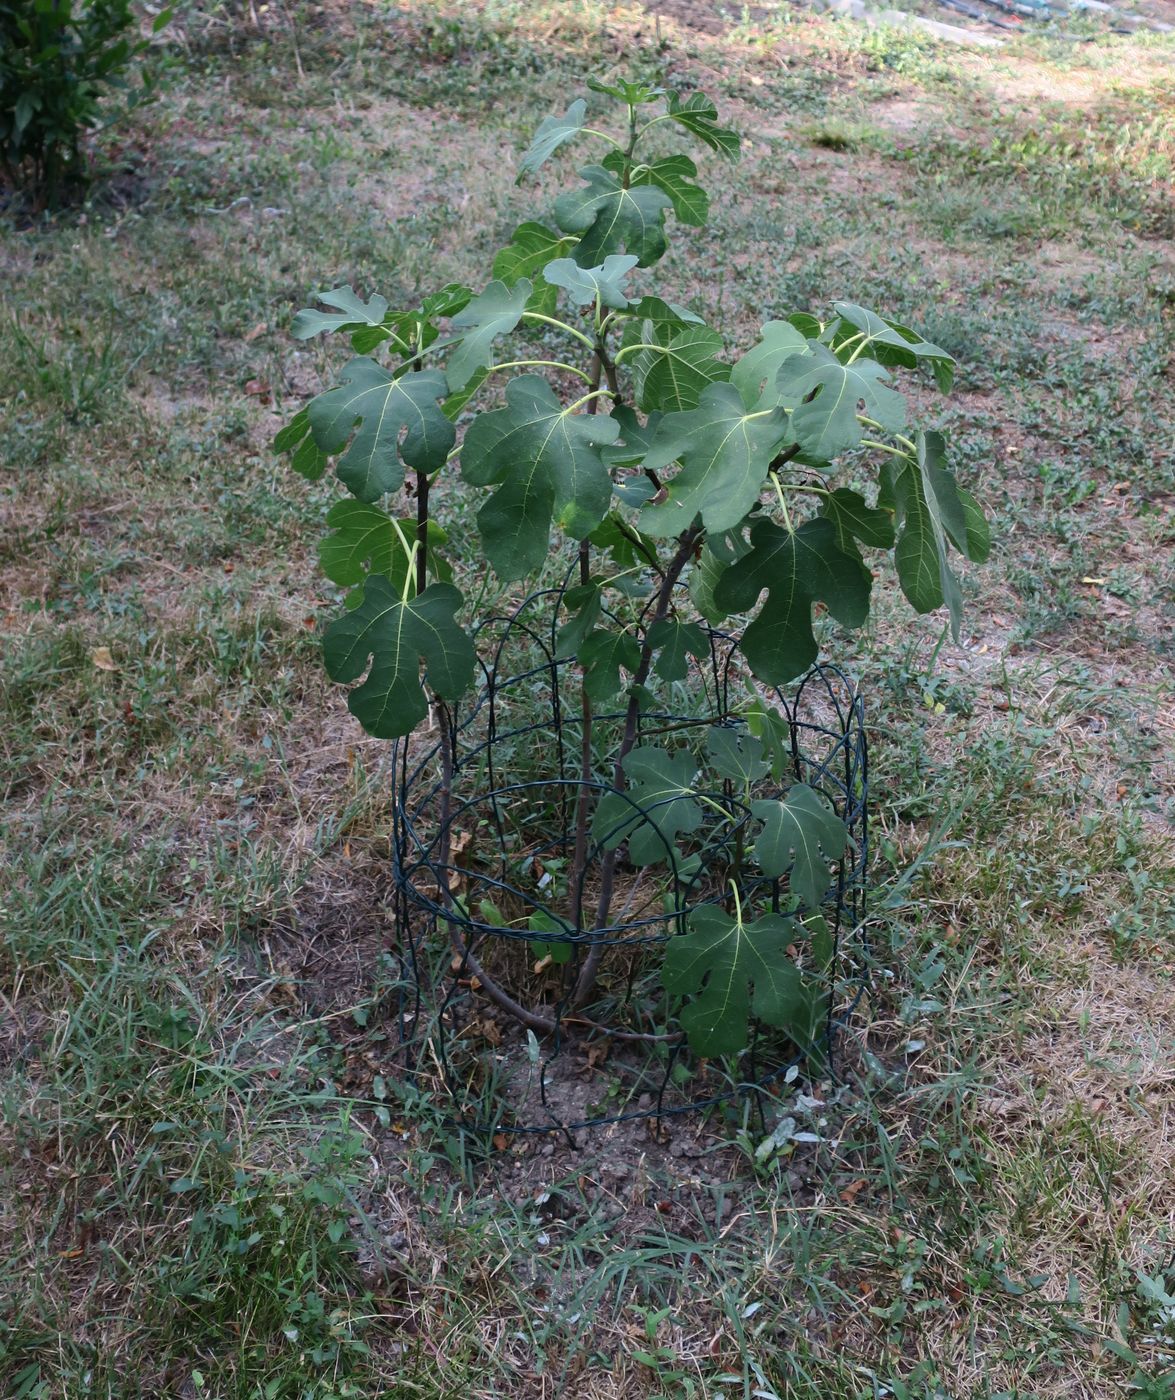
(803, 835)
(396, 635)
(657, 806)
(797, 568)
(610, 218)
(371, 409)
(825, 396)
(730, 970)
(724, 452)
(545, 461)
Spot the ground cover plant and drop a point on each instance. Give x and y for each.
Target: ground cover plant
(195, 894)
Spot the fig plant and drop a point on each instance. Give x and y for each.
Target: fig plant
(700, 486)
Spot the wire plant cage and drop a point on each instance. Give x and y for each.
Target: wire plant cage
(510, 903)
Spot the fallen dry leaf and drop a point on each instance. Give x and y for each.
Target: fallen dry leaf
(102, 658)
(489, 1030)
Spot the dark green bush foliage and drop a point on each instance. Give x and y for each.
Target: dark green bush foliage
(59, 62)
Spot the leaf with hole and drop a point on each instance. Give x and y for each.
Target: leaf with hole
(825, 395)
(754, 374)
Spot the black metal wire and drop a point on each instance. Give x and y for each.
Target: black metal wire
(449, 784)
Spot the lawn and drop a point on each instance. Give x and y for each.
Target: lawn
(213, 1181)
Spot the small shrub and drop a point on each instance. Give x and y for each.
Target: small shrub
(58, 60)
(693, 479)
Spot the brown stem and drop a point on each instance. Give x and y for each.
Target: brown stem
(503, 1000)
(591, 965)
(784, 457)
(579, 860)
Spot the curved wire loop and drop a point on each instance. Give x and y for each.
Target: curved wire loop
(484, 839)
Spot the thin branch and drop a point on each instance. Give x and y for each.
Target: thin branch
(503, 1000)
(591, 965)
(579, 859)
